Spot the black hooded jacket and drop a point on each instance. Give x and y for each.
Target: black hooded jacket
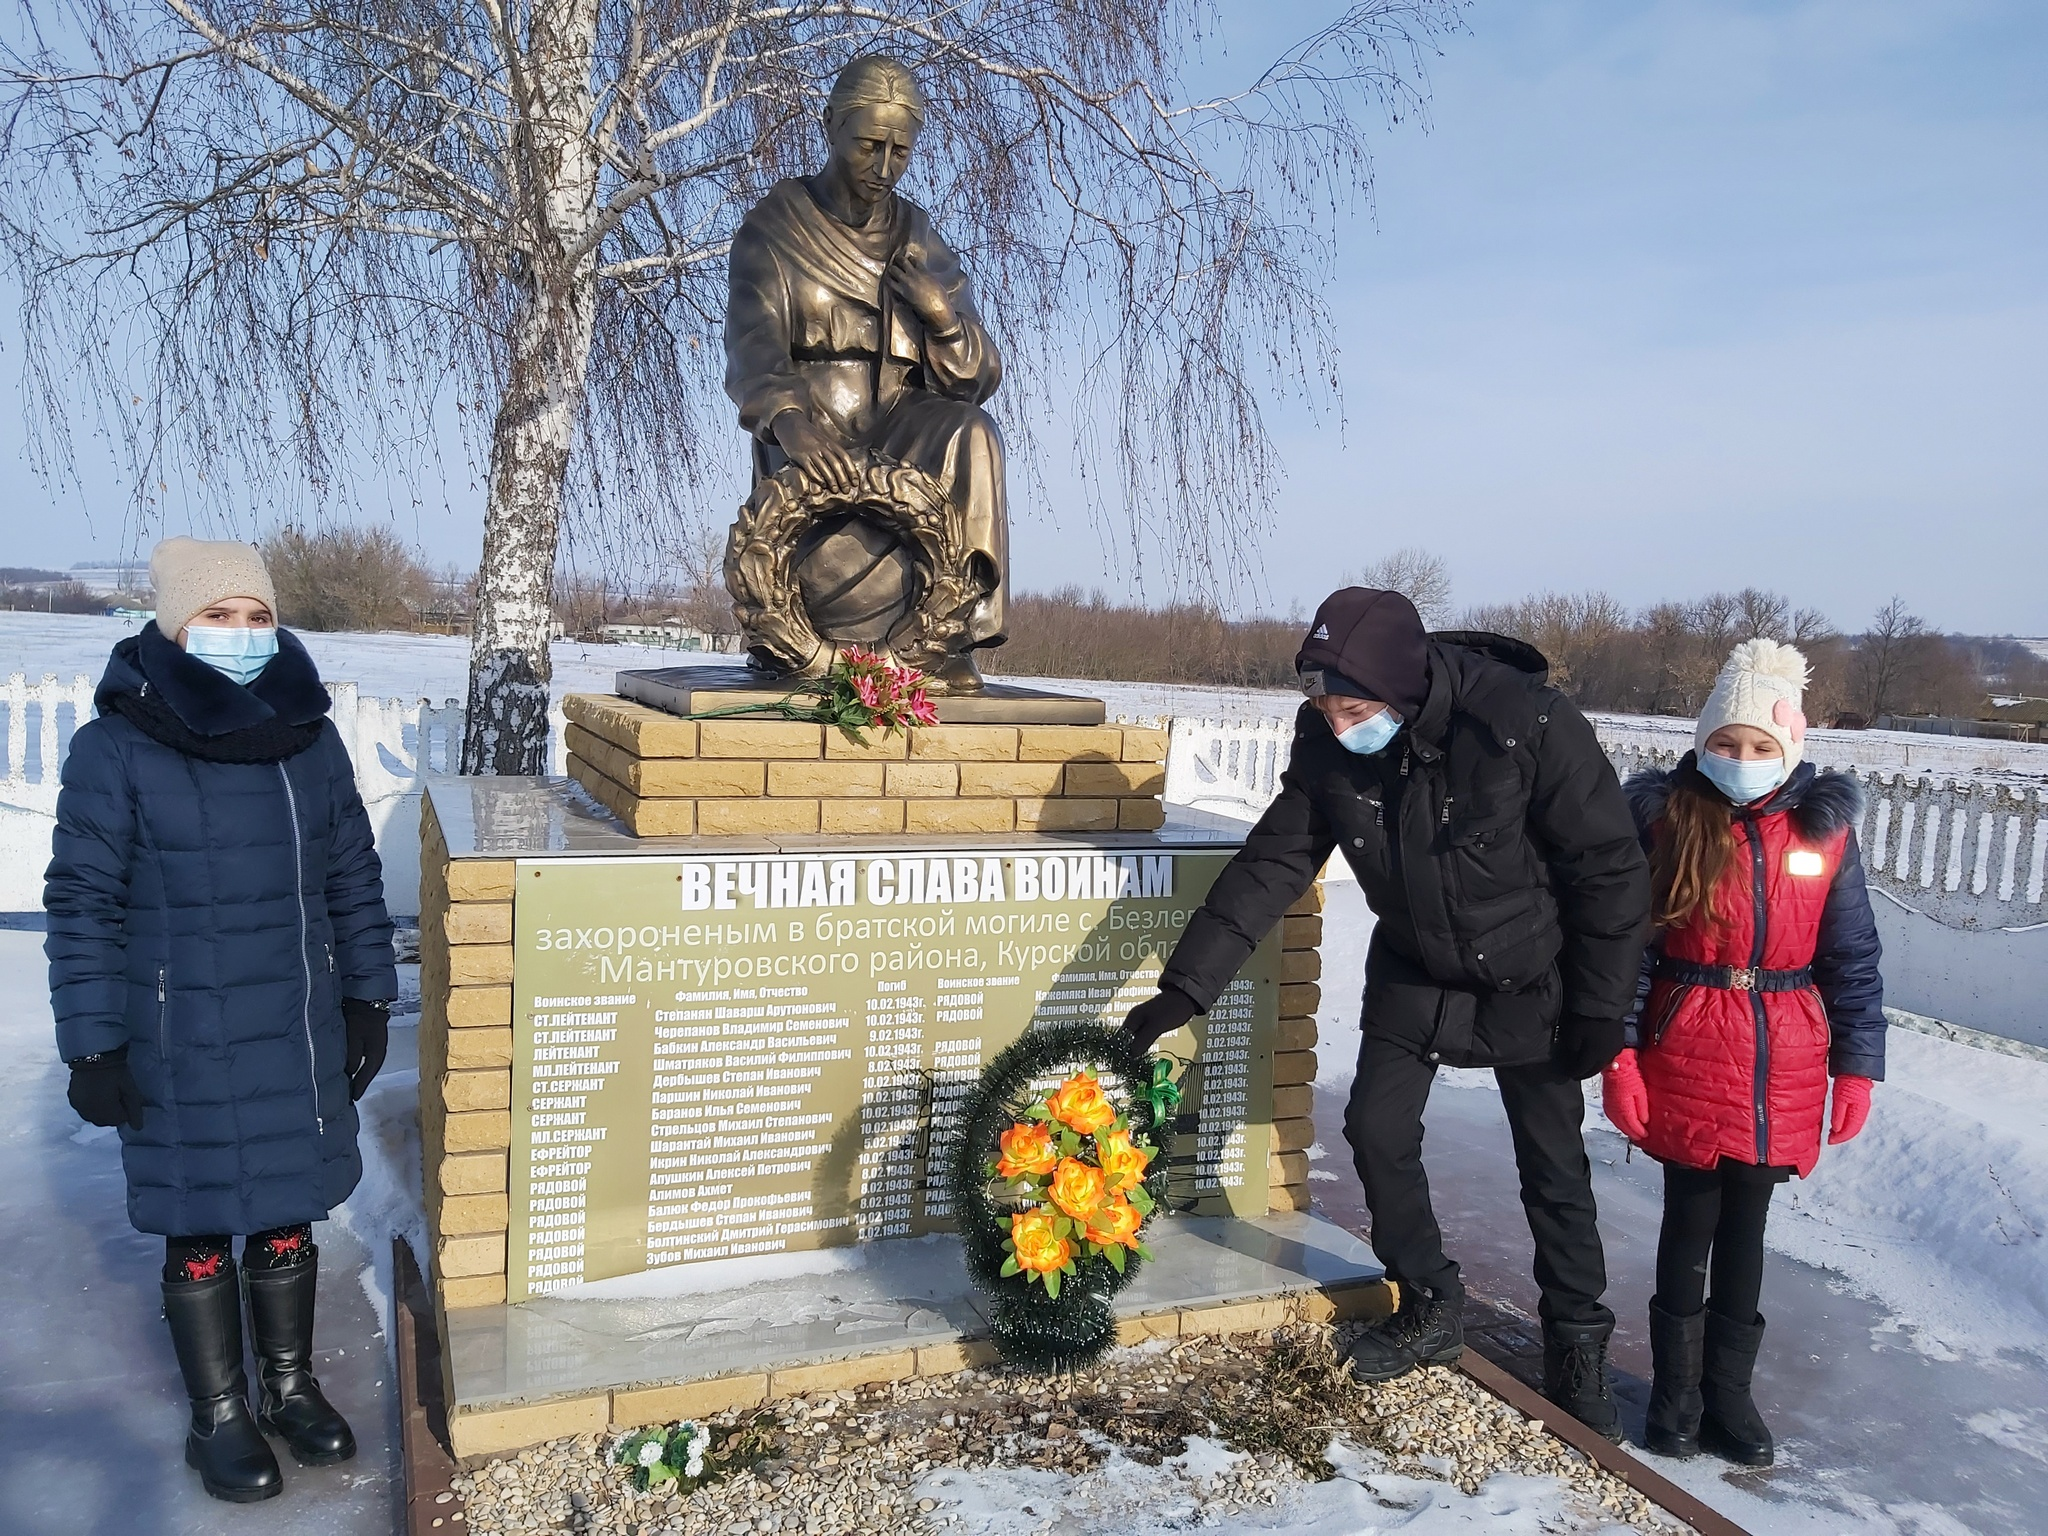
(1492, 841)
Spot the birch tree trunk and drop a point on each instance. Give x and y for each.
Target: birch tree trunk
(510, 669)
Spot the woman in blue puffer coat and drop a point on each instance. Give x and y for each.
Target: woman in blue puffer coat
(221, 969)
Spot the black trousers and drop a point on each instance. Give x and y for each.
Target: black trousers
(1714, 1220)
(1546, 1111)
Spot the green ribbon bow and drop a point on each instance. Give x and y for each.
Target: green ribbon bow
(1163, 1091)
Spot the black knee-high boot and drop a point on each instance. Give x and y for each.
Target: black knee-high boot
(224, 1445)
(1677, 1344)
(1731, 1427)
(281, 1321)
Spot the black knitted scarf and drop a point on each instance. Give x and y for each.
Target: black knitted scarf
(267, 741)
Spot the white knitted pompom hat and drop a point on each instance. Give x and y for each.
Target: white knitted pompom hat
(1759, 685)
(191, 575)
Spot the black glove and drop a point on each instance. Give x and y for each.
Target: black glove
(1157, 1016)
(104, 1091)
(1585, 1046)
(369, 1036)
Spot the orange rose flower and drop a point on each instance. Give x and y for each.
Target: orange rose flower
(1035, 1245)
(1116, 1222)
(1027, 1149)
(1078, 1188)
(1080, 1106)
(1123, 1160)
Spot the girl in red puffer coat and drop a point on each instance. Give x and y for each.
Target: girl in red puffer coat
(1760, 985)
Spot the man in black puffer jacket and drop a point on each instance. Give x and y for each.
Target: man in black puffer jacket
(1493, 843)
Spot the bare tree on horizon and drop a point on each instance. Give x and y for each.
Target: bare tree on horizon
(263, 246)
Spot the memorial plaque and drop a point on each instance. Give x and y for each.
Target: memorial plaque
(724, 1057)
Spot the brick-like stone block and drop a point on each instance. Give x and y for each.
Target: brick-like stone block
(1235, 1317)
(1291, 1067)
(638, 729)
(473, 1173)
(464, 1091)
(837, 1375)
(1300, 965)
(471, 965)
(1309, 902)
(480, 1007)
(1116, 779)
(731, 818)
(478, 922)
(1301, 1000)
(963, 1355)
(1296, 1135)
(470, 1049)
(1070, 743)
(1140, 815)
(1301, 932)
(1066, 815)
(966, 743)
(656, 818)
(694, 778)
(459, 1291)
(1288, 1197)
(464, 1214)
(880, 747)
(493, 1431)
(1145, 743)
(833, 778)
(959, 815)
(483, 1130)
(923, 780)
(1287, 1168)
(1296, 1102)
(480, 879)
(1156, 1325)
(687, 1399)
(860, 818)
(1295, 1035)
(1011, 780)
(760, 738)
(481, 1253)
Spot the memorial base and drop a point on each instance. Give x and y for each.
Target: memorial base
(690, 690)
(523, 1374)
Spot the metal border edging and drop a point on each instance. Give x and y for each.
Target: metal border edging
(432, 1507)
(1605, 1455)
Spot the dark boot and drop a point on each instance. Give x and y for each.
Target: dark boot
(1575, 1375)
(1427, 1330)
(224, 1445)
(1731, 1427)
(281, 1319)
(1672, 1427)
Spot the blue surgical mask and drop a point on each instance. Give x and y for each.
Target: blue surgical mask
(1742, 779)
(241, 654)
(1371, 734)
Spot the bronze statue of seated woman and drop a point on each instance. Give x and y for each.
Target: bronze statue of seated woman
(859, 365)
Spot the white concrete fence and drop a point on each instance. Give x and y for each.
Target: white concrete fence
(1957, 862)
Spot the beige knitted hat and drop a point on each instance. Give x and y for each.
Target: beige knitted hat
(191, 575)
(1759, 685)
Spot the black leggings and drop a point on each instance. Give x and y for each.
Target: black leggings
(1714, 1216)
(201, 1258)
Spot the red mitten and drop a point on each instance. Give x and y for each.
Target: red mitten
(1625, 1097)
(1850, 1109)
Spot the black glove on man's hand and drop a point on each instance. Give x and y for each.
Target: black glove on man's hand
(104, 1091)
(1157, 1016)
(369, 1036)
(1585, 1046)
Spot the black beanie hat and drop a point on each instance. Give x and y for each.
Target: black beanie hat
(1374, 642)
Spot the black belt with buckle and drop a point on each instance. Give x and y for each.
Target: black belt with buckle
(1734, 978)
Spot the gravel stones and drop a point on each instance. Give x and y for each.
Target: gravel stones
(850, 1462)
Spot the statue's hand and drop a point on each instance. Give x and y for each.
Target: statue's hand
(821, 455)
(921, 291)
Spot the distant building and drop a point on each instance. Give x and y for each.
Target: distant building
(671, 635)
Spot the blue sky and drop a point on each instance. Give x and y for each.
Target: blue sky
(1668, 297)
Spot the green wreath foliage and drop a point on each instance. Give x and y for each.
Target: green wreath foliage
(1031, 1328)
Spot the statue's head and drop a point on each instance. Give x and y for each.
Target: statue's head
(872, 120)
